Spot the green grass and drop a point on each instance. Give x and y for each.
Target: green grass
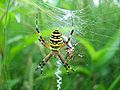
(97, 30)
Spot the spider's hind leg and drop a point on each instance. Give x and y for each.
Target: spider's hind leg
(69, 67)
(41, 66)
(45, 60)
(65, 63)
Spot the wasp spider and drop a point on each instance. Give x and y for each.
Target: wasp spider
(56, 42)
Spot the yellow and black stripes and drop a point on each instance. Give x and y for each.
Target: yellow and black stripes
(55, 39)
(40, 38)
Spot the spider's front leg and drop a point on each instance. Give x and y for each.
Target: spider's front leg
(69, 37)
(40, 38)
(64, 63)
(68, 40)
(44, 61)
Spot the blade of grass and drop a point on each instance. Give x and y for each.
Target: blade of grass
(114, 83)
(88, 46)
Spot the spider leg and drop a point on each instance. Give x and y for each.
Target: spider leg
(65, 43)
(71, 31)
(40, 38)
(69, 37)
(44, 61)
(70, 50)
(64, 62)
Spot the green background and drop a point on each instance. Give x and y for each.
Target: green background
(97, 56)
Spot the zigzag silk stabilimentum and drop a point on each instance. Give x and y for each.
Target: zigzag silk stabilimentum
(58, 73)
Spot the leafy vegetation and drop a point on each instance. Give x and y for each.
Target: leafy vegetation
(96, 57)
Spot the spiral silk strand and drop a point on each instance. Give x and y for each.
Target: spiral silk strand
(58, 74)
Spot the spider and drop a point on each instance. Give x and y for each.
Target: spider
(56, 42)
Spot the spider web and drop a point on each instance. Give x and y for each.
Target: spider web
(57, 18)
(64, 20)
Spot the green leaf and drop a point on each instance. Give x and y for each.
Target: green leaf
(88, 46)
(109, 50)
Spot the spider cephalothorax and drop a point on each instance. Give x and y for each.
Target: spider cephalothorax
(56, 43)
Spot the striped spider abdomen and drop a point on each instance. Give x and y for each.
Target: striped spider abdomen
(56, 39)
